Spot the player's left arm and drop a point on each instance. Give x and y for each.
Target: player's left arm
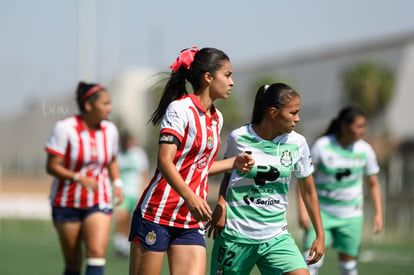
(243, 161)
(114, 175)
(310, 199)
(376, 195)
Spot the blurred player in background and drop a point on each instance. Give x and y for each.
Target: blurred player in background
(81, 156)
(342, 161)
(249, 222)
(133, 164)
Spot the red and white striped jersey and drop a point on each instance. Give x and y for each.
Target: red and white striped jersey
(198, 133)
(88, 152)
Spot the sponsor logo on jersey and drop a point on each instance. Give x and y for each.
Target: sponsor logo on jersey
(151, 238)
(263, 190)
(286, 159)
(259, 201)
(248, 200)
(202, 162)
(171, 117)
(166, 138)
(341, 173)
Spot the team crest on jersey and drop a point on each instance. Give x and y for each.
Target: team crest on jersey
(151, 238)
(150, 208)
(286, 159)
(210, 142)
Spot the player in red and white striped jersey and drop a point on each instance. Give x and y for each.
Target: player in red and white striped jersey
(82, 153)
(171, 213)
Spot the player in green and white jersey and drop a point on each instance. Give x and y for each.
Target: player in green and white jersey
(342, 160)
(249, 222)
(133, 165)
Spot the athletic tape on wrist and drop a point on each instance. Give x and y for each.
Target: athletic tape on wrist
(118, 183)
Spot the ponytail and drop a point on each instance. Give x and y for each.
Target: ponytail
(190, 66)
(174, 89)
(258, 109)
(346, 116)
(333, 128)
(276, 95)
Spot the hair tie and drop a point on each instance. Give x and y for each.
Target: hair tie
(93, 90)
(185, 59)
(265, 88)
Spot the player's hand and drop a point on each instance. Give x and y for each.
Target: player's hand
(316, 251)
(118, 195)
(199, 208)
(378, 224)
(88, 183)
(217, 222)
(244, 162)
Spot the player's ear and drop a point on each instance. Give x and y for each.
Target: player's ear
(207, 77)
(273, 112)
(88, 106)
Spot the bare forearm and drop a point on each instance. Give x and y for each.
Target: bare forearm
(220, 166)
(174, 179)
(244, 162)
(55, 168)
(113, 170)
(310, 200)
(376, 195)
(301, 205)
(312, 206)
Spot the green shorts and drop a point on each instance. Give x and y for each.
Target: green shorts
(277, 256)
(129, 204)
(344, 234)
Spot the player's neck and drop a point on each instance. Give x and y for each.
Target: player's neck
(343, 141)
(89, 122)
(265, 132)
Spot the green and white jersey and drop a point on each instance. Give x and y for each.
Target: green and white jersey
(339, 175)
(132, 164)
(256, 202)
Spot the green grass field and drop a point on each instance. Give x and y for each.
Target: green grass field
(31, 247)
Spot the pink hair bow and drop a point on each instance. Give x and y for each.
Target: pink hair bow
(185, 59)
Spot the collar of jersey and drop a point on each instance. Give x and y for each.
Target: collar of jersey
(200, 106)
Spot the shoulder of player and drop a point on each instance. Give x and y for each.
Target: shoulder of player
(108, 124)
(362, 145)
(242, 130)
(296, 137)
(67, 122)
(180, 105)
(322, 141)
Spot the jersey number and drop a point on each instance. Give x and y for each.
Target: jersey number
(225, 257)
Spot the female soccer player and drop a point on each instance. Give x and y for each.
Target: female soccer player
(133, 164)
(81, 157)
(249, 222)
(171, 213)
(342, 160)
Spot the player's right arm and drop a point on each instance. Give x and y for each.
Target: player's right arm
(55, 167)
(199, 208)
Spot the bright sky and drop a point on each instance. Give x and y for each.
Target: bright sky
(40, 52)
